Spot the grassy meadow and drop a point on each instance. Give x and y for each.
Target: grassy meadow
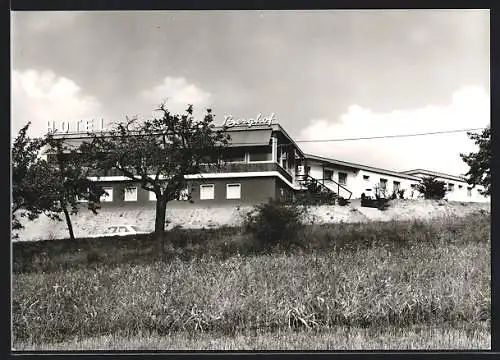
(395, 285)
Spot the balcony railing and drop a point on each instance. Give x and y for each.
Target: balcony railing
(248, 167)
(105, 172)
(228, 167)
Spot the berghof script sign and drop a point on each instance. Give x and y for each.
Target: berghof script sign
(66, 126)
(229, 121)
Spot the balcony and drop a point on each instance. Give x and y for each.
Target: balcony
(229, 167)
(248, 167)
(104, 172)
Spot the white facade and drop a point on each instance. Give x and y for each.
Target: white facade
(362, 184)
(457, 188)
(317, 171)
(361, 179)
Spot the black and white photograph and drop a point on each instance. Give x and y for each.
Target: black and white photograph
(250, 180)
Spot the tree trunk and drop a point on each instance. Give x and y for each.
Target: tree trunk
(68, 221)
(161, 208)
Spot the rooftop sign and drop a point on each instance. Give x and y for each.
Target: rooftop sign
(91, 125)
(83, 126)
(229, 121)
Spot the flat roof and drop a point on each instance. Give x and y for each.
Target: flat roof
(363, 167)
(274, 127)
(259, 128)
(436, 174)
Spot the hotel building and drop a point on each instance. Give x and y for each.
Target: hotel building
(264, 163)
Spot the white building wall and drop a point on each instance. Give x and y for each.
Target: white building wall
(460, 192)
(368, 186)
(358, 185)
(316, 172)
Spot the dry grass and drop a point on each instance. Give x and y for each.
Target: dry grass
(338, 338)
(348, 286)
(50, 256)
(392, 276)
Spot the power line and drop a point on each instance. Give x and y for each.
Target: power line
(370, 137)
(390, 136)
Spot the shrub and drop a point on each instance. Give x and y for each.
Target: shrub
(275, 223)
(432, 188)
(382, 204)
(401, 193)
(341, 201)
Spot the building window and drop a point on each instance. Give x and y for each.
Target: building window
(366, 177)
(130, 194)
(109, 196)
(413, 186)
(233, 191)
(207, 192)
(260, 155)
(342, 178)
(451, 187)
(328, 175)
(469, 192)
(283, 159)
(152, 196)
(396, 185)
(236, 155)
(460, 186)
(383, 184)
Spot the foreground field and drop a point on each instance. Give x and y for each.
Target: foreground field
(339, 338)
(408, 285)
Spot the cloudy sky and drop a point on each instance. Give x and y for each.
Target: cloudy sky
(326, 74)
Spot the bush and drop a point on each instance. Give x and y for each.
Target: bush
(342, 202)
(382, 204)
(275, 224)
(401, 193)
(432, 188)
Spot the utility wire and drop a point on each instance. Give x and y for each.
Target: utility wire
(376, 137)
(371, 137)
(390, 136)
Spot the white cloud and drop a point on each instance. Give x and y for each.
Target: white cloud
(177, 93)
(42, 96)
(41, 21)
(469, 108)
(419, 35)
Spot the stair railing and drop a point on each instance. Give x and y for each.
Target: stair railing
(339, 186)
(308, 177)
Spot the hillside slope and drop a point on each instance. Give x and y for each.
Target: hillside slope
(86, 222)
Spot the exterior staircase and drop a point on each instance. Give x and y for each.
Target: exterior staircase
(316, 193)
